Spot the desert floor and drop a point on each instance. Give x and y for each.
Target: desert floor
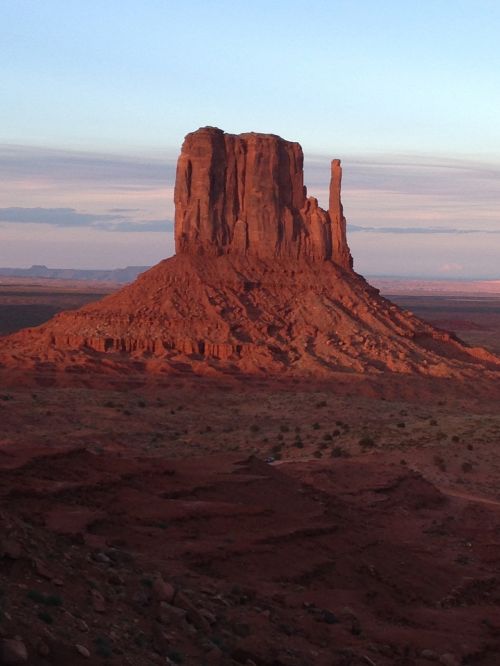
(195, 521)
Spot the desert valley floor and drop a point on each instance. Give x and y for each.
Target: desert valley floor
(186, 520)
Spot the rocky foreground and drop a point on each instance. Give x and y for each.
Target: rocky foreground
(203, 523)
(229, 560)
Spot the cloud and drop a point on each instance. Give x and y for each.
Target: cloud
(451, 268)
(414, 191)
(420, 230)
(84, 167)
(123, 210)
(69, 217)
(162, 226)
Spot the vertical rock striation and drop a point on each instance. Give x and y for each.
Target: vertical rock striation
(244, 194)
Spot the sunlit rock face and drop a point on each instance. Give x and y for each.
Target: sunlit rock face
(244, 194)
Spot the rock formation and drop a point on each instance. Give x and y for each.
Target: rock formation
(261, 282)
(244, 195)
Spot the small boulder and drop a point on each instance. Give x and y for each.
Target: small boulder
(162, 591)
(83, 651)
(13, 651)
(98, 602)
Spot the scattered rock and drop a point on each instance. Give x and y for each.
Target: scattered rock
(13, 651)
(102, 558)
(11, 548)
(82, 625)
(43, 649)
(162, 591)
(83, 651)
(98, 602)
(168, 614)
(42, 570)
(193, 614)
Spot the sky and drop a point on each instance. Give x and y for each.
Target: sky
(96, 97)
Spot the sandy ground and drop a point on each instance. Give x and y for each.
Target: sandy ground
(184, 520)
(370, 535)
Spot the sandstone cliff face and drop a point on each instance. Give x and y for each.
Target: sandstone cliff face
(244, 194)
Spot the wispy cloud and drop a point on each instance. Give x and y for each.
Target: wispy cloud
(84, 167)
(420, 230)
(69, 217)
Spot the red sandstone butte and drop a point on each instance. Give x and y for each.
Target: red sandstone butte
(261, 283)
(244, 194)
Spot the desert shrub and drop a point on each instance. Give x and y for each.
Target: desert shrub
(466, 467)
(439, 462)
(401, 424)
(367, 442)
(455, 438)
(103, 647)
(327, 437)
(254, 427)
(284, 428)
(321, 404)
(45, 599)
(45, 617)
(316, 426)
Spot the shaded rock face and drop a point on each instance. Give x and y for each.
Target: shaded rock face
(244, 194)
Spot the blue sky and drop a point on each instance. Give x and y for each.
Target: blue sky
(96, 98)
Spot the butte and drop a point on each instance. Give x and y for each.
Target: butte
(262, 283)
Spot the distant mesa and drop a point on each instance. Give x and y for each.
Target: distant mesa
(262, 283)
(118, 275)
